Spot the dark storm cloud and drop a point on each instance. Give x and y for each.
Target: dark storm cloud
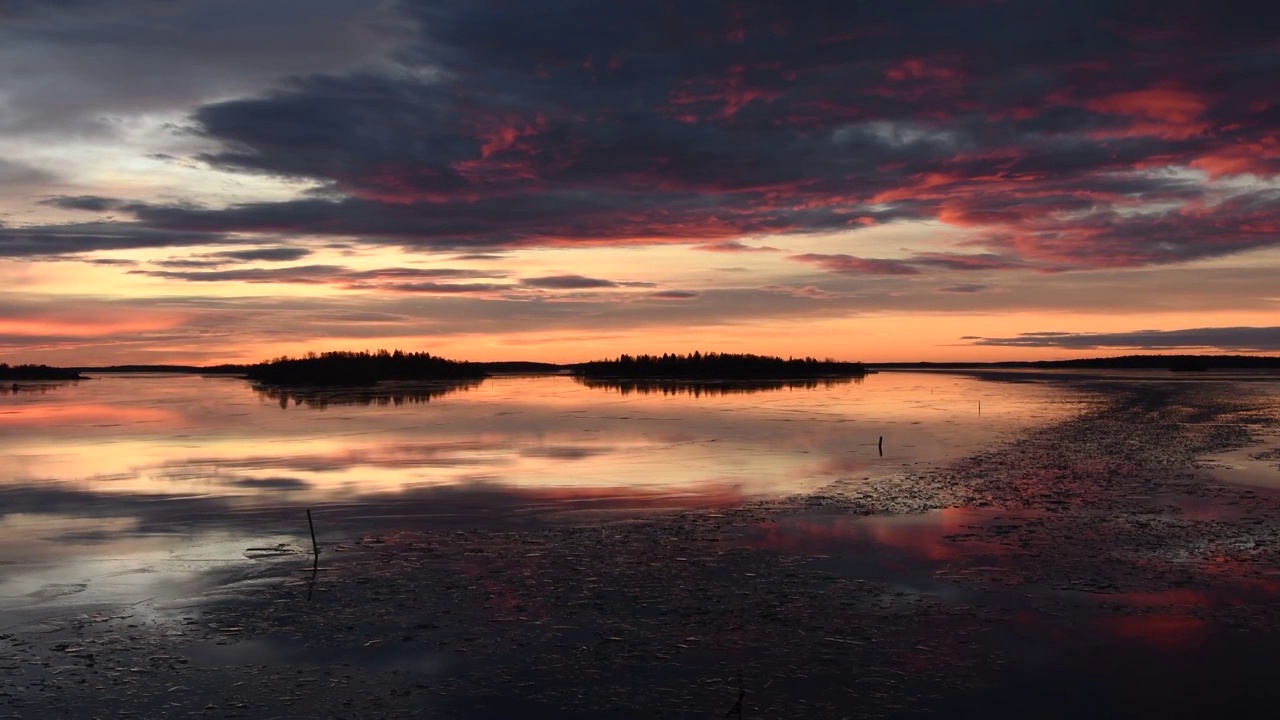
(1063, 134)
(1230, 339)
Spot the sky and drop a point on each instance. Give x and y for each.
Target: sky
(207, 181)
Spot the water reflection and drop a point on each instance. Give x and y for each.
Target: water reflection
(700, 388)
(381, 395)
(115, 464)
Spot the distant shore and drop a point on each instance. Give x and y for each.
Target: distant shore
(28, 373)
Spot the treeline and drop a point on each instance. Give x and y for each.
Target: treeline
(361, 368)
(36, 372)
(716, 366)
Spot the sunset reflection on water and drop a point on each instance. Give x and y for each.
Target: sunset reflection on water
(108, 465)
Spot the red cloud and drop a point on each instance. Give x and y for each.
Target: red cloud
(1165, 112)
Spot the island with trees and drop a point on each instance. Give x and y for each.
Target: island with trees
(12, 373)
(353, 369)
(700, 366)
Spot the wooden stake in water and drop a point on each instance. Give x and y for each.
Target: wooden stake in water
(315, 547)
(881, 446)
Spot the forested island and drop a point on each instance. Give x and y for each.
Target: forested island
(10, 373)
(715, 366)
(360, 368)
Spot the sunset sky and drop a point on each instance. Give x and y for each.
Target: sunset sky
(204, 181)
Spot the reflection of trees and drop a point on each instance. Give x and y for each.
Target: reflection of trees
(384, 395)
(700, 388)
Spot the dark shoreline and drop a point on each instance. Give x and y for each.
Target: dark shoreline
(1091, 538)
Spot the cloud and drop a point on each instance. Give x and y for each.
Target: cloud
(18, 174)
(44, 241)
(267, 254)
(811, 292)
(110, 262)
(272, 483)
(226, 257)
(615, 125)
(568, 282)
(314, 275)
(434, 288)
(465, 127)
(304, 274)
(733, 246)
(88, 203)
(80, 67)
(1226, 339)
(962, 262)
(938, 158)
(850, 265)
(392, 279)
(479, 256)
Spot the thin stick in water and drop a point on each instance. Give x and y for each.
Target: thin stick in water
(315, 547)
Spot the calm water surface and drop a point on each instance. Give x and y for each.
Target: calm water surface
(124, 487)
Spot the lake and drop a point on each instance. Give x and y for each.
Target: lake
(127, 487)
